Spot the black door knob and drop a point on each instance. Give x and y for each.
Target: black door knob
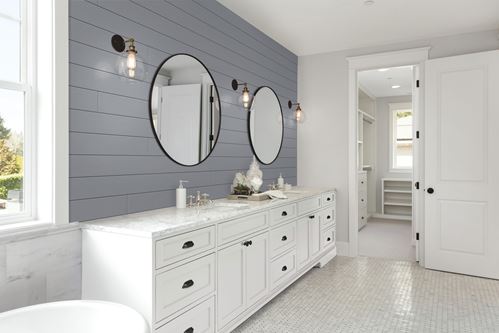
(430, 190)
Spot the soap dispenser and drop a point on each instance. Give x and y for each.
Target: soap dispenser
(280, 182)
(181, 194)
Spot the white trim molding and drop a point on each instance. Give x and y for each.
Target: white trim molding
(418, 57)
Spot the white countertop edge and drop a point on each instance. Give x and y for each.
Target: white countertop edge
(121, 224)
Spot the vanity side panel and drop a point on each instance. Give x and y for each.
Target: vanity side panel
(118, 268)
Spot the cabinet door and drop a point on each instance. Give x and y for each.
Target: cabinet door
(230, 283)
(302, 242)
(256, 256)
(314, 235)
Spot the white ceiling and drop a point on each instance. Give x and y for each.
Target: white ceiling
(317, 26)
(378, 83)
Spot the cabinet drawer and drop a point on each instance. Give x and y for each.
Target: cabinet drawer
(328, 199)
(176, 248)
(282, 239)
(282, 268)
(200, 319)
(180, 286)
(309, 205)
(328, 238)
(282, 214)
(328, 217)
(235, 229)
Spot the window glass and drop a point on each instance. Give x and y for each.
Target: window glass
(11, 151)
(402, 140)
(11, 8)
(10, 56)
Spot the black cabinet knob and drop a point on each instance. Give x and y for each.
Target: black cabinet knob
(284, 213)
(284, 268)
(328, 199)
(188, 245)
(362, 217)
(187, 284)
(284, 238)
(189, 330)
(311, 217)
(328, 239)
(328, 217)
(430, 190)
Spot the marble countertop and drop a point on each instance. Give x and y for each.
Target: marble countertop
(166, 221)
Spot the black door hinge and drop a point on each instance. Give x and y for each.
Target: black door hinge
(417, 134)
(417, 235)
(212, 99)
(416, 185)
(417, 83)
(212, 137)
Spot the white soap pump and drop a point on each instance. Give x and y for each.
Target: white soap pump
(280, 182)
(181, 194)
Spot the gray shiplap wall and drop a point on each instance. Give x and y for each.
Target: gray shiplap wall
(116, 166)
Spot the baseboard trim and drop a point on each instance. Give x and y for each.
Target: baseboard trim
(342, 248)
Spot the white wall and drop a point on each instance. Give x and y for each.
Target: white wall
(323, 93)
(383, 143)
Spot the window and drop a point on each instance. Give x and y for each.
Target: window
(34, 154)
(16, 112)
(401, 137)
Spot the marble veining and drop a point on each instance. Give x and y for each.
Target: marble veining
(161, 222)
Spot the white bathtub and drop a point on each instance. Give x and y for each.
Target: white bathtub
(73, 317)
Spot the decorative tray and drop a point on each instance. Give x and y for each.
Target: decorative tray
(248, 197)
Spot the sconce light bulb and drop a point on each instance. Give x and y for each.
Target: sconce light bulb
(131, 61)
(299, 115)
(131, 73)
(246, 96)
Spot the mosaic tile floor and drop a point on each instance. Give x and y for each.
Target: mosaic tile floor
(379, 295)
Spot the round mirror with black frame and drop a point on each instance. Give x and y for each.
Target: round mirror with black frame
(265, 125)
(184, 109)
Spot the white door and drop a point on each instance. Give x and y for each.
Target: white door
(462, 164)
(181, 122)
(256, 269)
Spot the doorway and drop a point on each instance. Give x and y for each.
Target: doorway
(384, 154)
(385, 151)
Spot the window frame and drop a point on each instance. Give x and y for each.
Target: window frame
(48, 126)
(26, 85)
(393, 109)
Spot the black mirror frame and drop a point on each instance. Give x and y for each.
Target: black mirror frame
(249, 127)
(150, 109)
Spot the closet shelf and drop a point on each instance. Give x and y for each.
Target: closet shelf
(405, 204)
(398, 191)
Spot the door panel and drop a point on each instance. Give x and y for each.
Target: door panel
(230, 293)
(462, 131)
(256, 269)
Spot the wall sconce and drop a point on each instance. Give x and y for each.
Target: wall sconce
(299, 114)
(119, 44)
(246, 97)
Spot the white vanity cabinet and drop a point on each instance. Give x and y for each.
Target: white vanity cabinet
(207, 271)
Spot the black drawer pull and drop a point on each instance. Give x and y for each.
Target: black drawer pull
(329, 239)
(284, 238)
(188, 245)
(189, 330)
(284, 213)
(248, 243)
(329, 217)
(311, 217)
(284, 268)
(328, 199)
(187, 284)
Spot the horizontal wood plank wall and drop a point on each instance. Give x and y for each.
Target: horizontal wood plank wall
(116, 165)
